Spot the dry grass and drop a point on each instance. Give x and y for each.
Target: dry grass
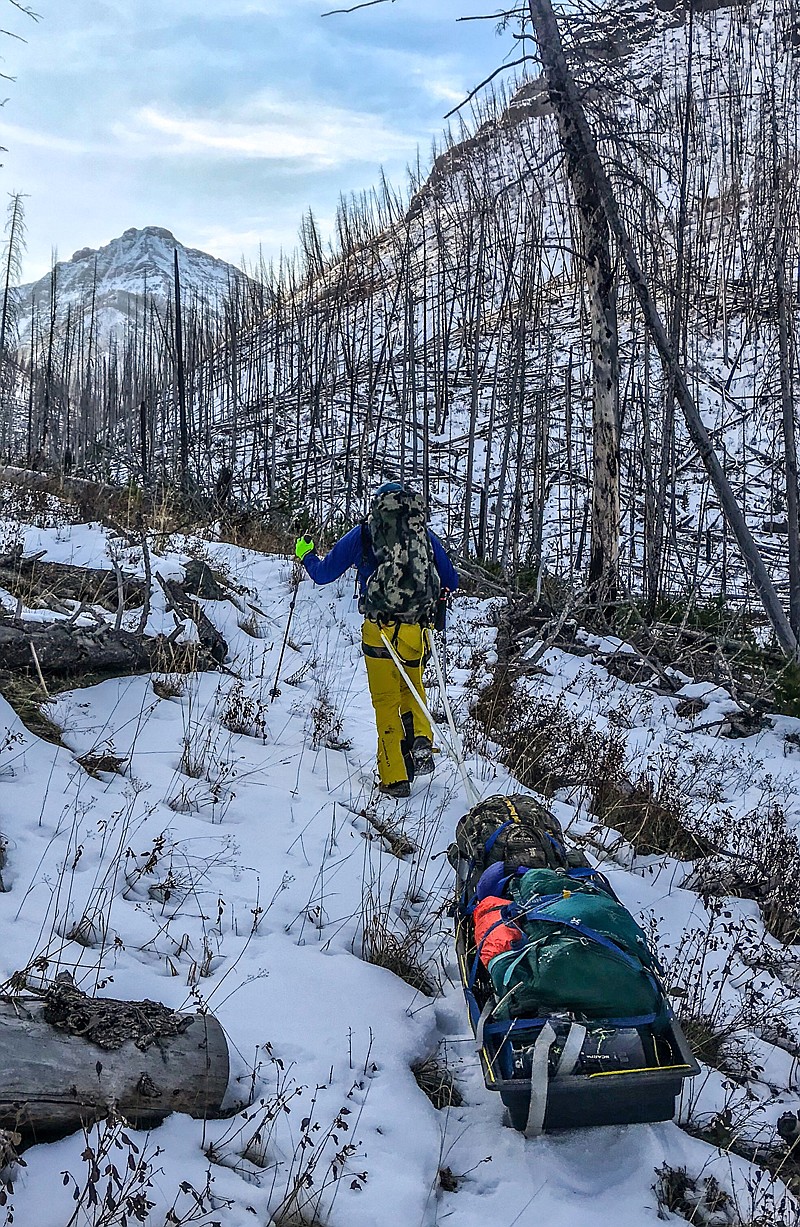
(253, 532)
(96, 762)
(25, 695)
(650, 816)
(547, 747)
(699, 1200)
(436, 1081)
(171, 686)
(400, 953)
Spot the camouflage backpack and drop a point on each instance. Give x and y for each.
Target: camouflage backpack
(405, 586)
(515, 830)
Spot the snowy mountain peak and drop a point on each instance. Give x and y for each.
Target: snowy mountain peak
(111, 284)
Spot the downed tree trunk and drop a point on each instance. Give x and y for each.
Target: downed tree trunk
(73, 487)
(63, 649)
(67, 1058)
(209, 637)
(49, 584)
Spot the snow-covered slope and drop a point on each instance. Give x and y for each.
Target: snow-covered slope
(250, 879)
(107, 288)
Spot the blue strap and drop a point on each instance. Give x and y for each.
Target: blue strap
(473, 975)
(641, 1020)
(556, 843)
(493, 838)
(592, 935)
(506, 1027)
(515, 1024)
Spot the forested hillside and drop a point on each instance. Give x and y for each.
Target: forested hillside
(446, 339)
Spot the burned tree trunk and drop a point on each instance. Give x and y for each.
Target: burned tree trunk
(67, 1059)
(601, 289)
(787, 396)
(605, 375)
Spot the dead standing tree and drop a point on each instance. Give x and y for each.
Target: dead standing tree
(572, 119)
(600, 283)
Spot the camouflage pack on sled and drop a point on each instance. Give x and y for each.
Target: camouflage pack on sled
(527, 836)
(405, 587)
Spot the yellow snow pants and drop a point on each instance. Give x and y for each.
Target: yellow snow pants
(397, 715)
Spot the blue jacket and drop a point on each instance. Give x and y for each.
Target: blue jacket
(349, 552)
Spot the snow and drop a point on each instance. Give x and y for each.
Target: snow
(245, 885)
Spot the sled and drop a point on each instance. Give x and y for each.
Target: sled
(562, 1071)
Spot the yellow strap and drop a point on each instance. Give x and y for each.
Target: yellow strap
(650, 1069)
(512, 810)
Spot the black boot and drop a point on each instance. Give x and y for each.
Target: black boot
(422, 754)
(401, 789)
(406, 745)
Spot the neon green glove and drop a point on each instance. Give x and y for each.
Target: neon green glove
(304, 546)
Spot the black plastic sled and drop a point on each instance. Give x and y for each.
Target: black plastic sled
(563, 1071)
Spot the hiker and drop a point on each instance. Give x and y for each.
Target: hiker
(403, 574)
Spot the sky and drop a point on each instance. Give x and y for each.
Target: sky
(222, 120)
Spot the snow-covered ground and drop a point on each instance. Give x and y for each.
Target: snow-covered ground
(243, 871)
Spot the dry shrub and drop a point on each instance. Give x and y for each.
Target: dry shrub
(650, 816)
(25, 695)
(251, 625)
(326, 723)
(435, 1080)
(699, 1199)
(706, 1040)
(98, 761)
(243, 714)
(762, 862)
(171, 686)
(400, 952)
(547, 747)
(253, 532)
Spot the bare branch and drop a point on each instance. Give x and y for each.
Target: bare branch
(511, 64)
(366, 4)
(23, 8)
(501, 15)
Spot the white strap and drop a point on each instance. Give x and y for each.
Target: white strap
(473, 796)
(482, 1021)
(539, 1079)
(571, 1050)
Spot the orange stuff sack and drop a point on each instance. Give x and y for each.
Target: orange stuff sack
(501, 938)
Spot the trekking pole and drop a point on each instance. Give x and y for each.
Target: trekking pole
(455, 749)
(296, 577)
(472, 792)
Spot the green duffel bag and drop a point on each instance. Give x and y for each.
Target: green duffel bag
(585, 953)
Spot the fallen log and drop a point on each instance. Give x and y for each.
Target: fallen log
(66, 1059)
(41, 583)
(209, 637)
(92, 493)
(63, 650)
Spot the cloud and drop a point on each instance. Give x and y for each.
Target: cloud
(15, 134)
(275, 129)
